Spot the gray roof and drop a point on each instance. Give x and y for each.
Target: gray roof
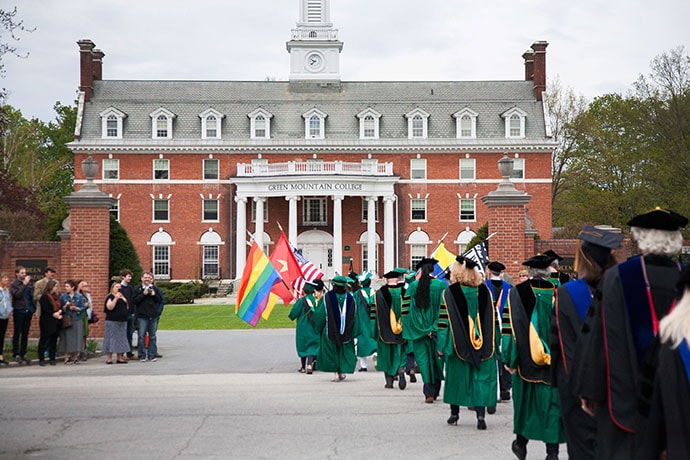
(287, 103)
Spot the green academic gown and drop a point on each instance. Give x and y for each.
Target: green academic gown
(366, 343)
(337, 345)
(536, 410)
(420, 328)
(306, 338)
(471, 378)
(389, 345)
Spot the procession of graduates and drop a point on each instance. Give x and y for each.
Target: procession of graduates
(601, 362)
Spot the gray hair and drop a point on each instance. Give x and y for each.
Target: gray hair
(655, 241)
(539, 272)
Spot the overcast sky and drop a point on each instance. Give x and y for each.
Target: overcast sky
(595, 46)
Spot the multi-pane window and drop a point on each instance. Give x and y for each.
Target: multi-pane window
(259, 165)
(111, 123)
(210, 262)
(417, 253)
(161, 169)
(314, 211)
(210, 169)
(465, 126)
(260, 127)
(418, 209)
(468, 211)
(518, 168)
(417, 126)
(369, 129)
(111, 169)
(515, 126)
(161, 262)
(211, 126)
(161, 126)
(365, 210)
(161, 210)
(418, 168)
(210, 209)
(111, 126)
(467, 168)
(314, 126)
(115, 210)
(265, 212)
(365, 256)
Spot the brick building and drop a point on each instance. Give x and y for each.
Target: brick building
(373, 172)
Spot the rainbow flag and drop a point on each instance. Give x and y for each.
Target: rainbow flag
(256, 283)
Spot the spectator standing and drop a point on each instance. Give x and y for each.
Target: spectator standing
(40, 285)
(5, 311)
(84, 289)
(115, 335)
(147, 301)
(128, 291)
(22, 303)
(49, 321)
(161, 305)
(72, 338)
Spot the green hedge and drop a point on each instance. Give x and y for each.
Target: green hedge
(181, 293)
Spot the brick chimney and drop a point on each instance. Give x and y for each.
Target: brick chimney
(539, 79)
(528, 56)
(90, 67)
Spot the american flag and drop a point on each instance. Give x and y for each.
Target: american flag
(310, 272)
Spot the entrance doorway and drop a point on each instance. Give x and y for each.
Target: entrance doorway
(317, 248)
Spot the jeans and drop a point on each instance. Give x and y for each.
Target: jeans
(20, 338)
(150, 326)
(130, 331)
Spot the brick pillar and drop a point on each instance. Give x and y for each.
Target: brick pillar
(513, 242)
(86, 243)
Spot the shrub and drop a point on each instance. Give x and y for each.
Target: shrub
(181, 293)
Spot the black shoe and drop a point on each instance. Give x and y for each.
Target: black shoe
(505, 395)
(453, 419)
(402, 383)
(551, 456)
(491, 410)
(158, 355)
(413, 377)
(27, 361)
(42, 363)
(481, 424)
(519, 450)
(3, 363)
(18, 359)
(362, 369)
(52, 362)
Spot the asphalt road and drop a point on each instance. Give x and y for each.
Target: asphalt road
(231, 394)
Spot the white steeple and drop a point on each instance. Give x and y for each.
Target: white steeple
(314, 46)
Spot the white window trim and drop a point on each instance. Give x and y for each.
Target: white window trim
(365, 208)
(426, 209)
(203, 169)
(154, 118)
(425, 123)
(522, 160)
(473, 118)
(204, 120)
(322, 125)
(103, 169)
(153, 166)
(362, 116)
(104, 122)
(252, 123)
(425, 169)
(160, 197)
(506, 120)
(474, 169)
(474, 212)
(204, 199)
(324, 209)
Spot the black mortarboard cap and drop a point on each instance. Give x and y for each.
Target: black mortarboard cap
(496, 266)
(469, 263)
(395, 273)
(539, 261)
(426, 261)
(600, 237)
(319, 285)
(660, 219)
(551, 253)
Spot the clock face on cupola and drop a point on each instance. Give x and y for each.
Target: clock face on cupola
(314, 46)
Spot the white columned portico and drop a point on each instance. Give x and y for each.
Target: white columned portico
(388, 234)
(240, 243)
(338, 232)
(259, 221)
(292, 219)
(371, 234)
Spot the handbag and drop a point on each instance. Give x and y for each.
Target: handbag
(94, 318)
(67, 321)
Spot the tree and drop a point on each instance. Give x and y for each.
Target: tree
(9, 23)
(122, 252)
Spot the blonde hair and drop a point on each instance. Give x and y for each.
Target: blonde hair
(460, 273)
(655, 241)
(675, 326)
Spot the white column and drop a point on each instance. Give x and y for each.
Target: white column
(388, 234)
(241, 237)
(371, 233)
(292, 220)
(338, 233)
(259, 224)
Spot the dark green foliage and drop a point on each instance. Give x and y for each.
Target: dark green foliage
(182, 293)
(122, 252)
(482, 234)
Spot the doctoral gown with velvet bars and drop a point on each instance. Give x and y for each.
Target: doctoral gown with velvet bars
(336, 350)
(389, 345)
(366, 343)
(306, 337)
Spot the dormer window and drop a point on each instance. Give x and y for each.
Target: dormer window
(314, 124)
(417, 124)
(369, 124)
(162, 124)
(260, 124)
(211, 124)
(111, 123)
(466, 124)
(514, 123)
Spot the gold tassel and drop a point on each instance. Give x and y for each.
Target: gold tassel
(476, 341)
(536, 348)
(396, 324)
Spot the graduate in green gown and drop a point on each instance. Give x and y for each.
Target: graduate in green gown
(336, 320)
(536, 410)
(470, 343)
(306, 337)
(420, 326)
(364, 298)
(388, 310)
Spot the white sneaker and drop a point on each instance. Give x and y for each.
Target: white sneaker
(154, 360)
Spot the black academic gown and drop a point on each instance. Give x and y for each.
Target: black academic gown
(573, 300)
(611, 378)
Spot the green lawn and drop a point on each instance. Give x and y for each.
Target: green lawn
(199, 317)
